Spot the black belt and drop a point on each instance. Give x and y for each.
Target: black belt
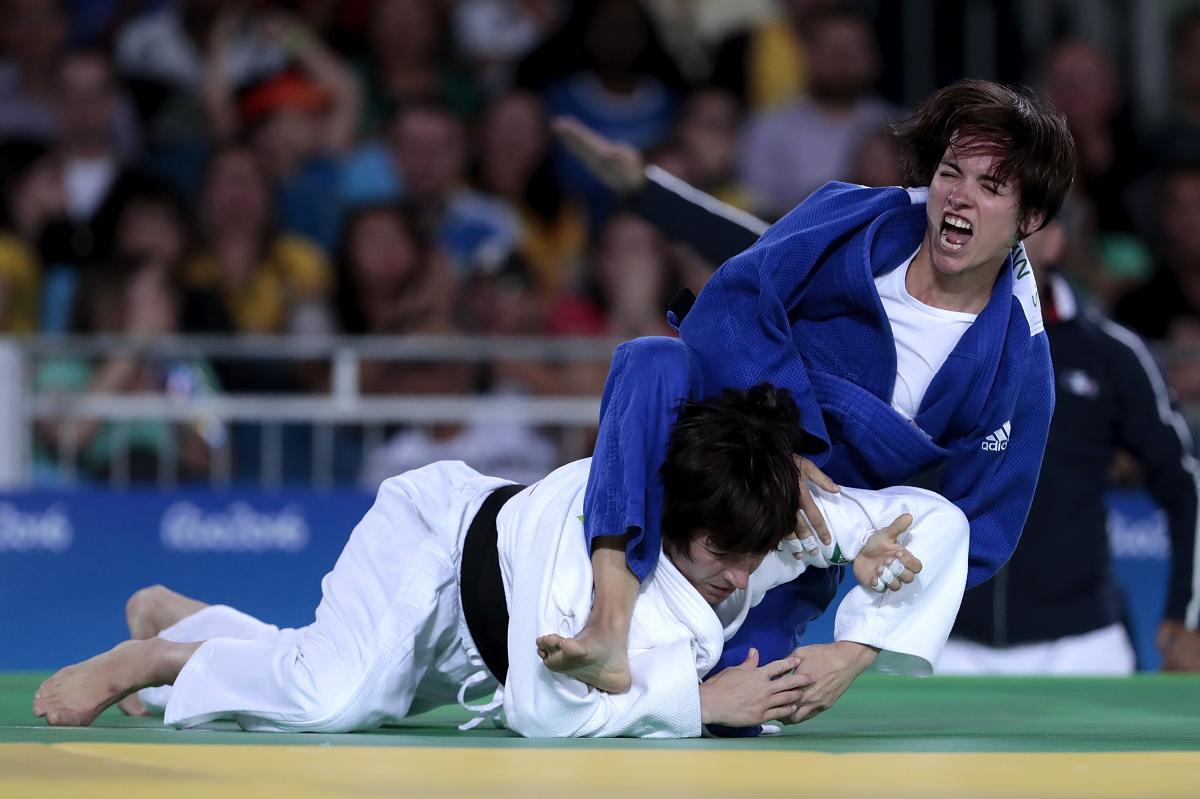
(481, 586)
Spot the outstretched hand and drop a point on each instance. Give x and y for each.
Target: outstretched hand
(749, 694)
(884, 563)
(831, 669)
(617, 165)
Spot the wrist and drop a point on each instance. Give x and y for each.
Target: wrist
(857, 655)
(708, 711)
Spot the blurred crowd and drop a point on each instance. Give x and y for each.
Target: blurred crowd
(389, 167)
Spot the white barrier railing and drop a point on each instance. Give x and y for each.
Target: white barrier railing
(21, 409)
(342, 405)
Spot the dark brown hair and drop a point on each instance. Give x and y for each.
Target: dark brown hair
(1037, 153)
(730, 471)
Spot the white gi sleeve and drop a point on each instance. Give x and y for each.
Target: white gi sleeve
(909, 626)
(539, 703)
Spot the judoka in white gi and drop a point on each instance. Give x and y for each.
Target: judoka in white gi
(391, 636)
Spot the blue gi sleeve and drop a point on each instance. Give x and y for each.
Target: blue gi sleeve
(740, 329)
(992, 477)
(647, 380)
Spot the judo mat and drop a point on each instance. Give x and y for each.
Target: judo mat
(888, 737)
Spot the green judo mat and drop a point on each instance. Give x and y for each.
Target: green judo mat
(1151, 713)
(940, 738)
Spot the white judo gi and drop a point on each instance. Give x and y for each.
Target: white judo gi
(390, 640)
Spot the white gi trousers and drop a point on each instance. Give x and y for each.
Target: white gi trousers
(1106, 652)
(388, 640)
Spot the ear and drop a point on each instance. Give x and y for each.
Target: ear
(1030, 224)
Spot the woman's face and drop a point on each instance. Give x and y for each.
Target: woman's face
(236, 195)
(151, 231)
(514, 142)
(382, 252)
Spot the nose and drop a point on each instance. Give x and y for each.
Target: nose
(957, 198)
(738, 576)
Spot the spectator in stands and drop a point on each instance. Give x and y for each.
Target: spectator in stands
(1055, 607)
(768, 64)
(139, 302)
(300, 121)
(491, 36)
(33, 43)
(1184, 125)
(154, 230)
(633, 278)
(515, 165)
(406, 63)
(704, 145)
(476, 230)
(32, 39)
(163, 54)
(30, 196)
(391, 282)
(790, 151)
(1167, 308)
(263, 281)
(1080, 79)
(615, 92)
(95, 174)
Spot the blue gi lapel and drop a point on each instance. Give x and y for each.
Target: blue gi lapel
(957, 398)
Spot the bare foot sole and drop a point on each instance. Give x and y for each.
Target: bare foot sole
(587, 659)
(74, 696)
(155, 608)
(132, 706)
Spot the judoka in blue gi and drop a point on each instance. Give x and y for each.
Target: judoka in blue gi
(905, 321)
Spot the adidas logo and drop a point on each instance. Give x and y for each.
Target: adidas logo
(998, 441)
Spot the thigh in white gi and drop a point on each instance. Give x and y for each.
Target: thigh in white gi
(389, 615)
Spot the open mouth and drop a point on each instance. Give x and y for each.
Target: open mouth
(956, 232)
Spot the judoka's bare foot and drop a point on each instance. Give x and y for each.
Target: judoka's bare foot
(590, 658)
(155, 608)
(74, 696)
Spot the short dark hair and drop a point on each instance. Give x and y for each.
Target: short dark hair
(1037, 150)
(730, 471)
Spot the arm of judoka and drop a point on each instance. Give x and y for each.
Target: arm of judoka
(715, 230)
(663, 702)
(872, 552)
(995, 488)
(623, 499)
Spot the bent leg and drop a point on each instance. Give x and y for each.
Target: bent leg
(209, 622)
(387, 608)
(154, 608)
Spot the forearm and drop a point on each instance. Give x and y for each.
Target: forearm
(217, 93)
(323, 66)
(715, 230)
(616, 586)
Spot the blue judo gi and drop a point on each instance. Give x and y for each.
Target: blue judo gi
(799, 310)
